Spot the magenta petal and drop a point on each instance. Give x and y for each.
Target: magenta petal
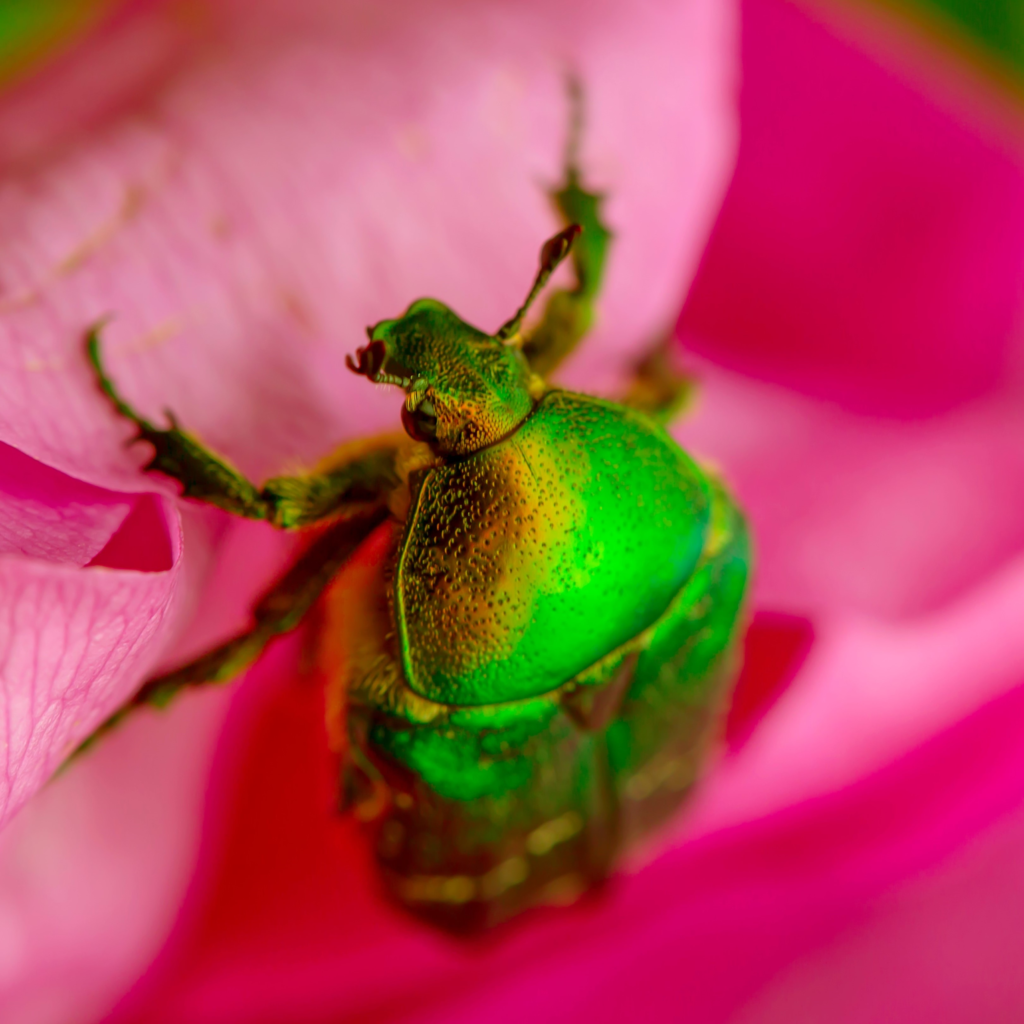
(944, 947)
(288, 924)
(869, 253)
(871, 247)
(868, 692)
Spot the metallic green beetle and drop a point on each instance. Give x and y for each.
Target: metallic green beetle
(532, 601)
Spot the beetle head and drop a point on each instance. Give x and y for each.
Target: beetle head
(464, 389)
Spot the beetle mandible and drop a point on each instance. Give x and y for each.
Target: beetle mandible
(535, 630)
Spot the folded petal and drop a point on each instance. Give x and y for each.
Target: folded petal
(48, 515)
(73, 641)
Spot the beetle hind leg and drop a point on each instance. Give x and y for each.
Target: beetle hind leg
(279, 611)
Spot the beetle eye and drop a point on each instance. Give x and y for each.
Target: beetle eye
(421, 423)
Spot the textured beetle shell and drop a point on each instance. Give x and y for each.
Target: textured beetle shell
(544, 552)
(487, 801)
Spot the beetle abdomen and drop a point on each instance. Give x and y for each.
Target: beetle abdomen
(482, 811)
(544, 552)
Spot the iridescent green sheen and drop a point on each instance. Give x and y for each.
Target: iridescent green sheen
(532, 605)
(556, 628)
(527, 790)
(476, 387)
(549, 549)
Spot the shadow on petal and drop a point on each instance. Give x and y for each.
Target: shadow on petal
(142, 541)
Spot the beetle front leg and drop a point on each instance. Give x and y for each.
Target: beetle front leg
(570, 311)
(287, 502)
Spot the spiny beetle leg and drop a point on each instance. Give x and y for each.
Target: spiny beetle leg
(179, 455)
(288, 502)
(591, 708)
(569, 312)
(280, 610)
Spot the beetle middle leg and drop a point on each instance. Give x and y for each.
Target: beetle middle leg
(570, 311)
(279, 611)
(657, 384)
(288, 502)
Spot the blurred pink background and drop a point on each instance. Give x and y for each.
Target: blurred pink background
(842, 207)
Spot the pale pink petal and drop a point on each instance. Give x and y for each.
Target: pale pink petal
(888, 518)
(303, 181)
(80, 914)
(73, 640)
(93, 870)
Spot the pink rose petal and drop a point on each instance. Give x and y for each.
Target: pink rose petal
(943, 948)
(93, 870)
(886, 517)
(73, 642)
(70, 91)
(300, 171)
(310, 180)
(80, 915)
(47, 515)
(870, 253)
(288, 924)
(868, 692)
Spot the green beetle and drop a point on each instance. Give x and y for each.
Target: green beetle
(532, 599)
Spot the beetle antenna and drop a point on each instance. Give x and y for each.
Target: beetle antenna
(552, 253)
